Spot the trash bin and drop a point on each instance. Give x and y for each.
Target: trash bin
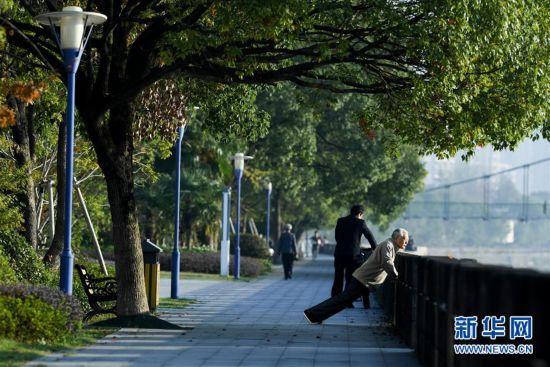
(151, 255)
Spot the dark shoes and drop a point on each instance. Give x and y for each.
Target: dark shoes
(310, 319)
(366, 302)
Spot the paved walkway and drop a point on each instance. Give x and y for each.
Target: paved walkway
(258, 323)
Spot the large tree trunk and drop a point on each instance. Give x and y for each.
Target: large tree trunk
(128, 253)
(57, 243)
(278, 219)
(278, 225)
(117, 167)
(24, 156)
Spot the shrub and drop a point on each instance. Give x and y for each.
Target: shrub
(209, 262)
(37, 313)
(6, 272)
(266, 263)
(251, 246)
(23, 259)
(250, 266)
(30, 320)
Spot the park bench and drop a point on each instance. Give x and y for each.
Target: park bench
(101, 292)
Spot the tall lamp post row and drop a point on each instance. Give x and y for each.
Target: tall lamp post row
(75, 27)
(174, 289)
(239, 159)
(269, 187)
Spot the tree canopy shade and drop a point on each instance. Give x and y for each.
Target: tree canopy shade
(445, 75)
(450, 76)
(321, 163)
(482, 77)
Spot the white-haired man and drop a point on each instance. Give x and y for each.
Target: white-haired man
(287, 249)
(371, 274)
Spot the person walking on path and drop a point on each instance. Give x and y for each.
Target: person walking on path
(347, 255)
(287, 249)
(371, 274)
(316, 242)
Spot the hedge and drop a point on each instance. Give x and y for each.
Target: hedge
(251, 245)
(200, 261)
(209, 262)
(37, 313)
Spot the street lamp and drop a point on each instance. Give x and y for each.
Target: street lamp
(75, 28)
(239, 159)
(174, 289)
(176, 251)
(269, 187)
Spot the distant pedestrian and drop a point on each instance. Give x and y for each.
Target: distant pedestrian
(371, 274)
(287, 249)
(411, 245)
(316, 242)
(347, 255)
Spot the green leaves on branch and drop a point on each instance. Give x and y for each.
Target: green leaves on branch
(229, 112)
(484, 77)
(324, 163)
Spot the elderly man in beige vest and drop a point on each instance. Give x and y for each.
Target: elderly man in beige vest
(371, 274)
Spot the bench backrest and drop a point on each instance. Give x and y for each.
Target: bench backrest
(85, 279)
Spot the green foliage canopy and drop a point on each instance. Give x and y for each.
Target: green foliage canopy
(321, 163)
(448, 76)
(481, 76)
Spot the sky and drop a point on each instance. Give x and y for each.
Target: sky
(487, 160)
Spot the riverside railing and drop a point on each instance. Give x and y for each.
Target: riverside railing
(435, 299)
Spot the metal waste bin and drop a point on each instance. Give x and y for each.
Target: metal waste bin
(151, 260)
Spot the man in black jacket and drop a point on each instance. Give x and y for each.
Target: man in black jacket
(347, 255)
(287, 248)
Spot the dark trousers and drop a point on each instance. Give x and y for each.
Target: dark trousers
(287, 259)
(344, 266)
(335, 304)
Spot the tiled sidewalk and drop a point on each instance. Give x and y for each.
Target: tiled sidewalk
(258, 323)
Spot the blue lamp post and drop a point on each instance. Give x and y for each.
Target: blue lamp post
(75, 28)
(176, 251)
(239, 159)
(269, 187)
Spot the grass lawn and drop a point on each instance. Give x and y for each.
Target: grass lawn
(175, 303)
(201, 276)
(14, 353)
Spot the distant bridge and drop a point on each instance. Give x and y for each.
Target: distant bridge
(447, 209)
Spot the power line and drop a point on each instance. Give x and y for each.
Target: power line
(523, 166)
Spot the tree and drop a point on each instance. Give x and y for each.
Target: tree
(324, 164)
(483, 77)
(206, 150)
(413, 52)
(19, 90)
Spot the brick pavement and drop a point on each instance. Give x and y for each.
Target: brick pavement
(258, 323)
